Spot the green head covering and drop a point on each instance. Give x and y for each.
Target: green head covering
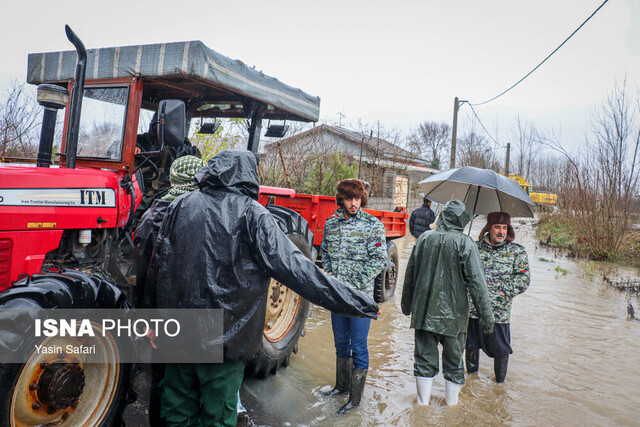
(181, 175)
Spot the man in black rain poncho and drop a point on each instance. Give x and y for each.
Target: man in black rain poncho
(444, 265)
(218, 248)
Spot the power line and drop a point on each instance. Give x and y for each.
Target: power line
(485, 129)
(545, 59)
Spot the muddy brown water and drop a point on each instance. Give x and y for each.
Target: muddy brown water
(576, 361)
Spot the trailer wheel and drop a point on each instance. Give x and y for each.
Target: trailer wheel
(385, 284)
(61, 389)
(286, 310)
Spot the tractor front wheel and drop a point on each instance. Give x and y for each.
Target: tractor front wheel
(61, 389)
(286, 310)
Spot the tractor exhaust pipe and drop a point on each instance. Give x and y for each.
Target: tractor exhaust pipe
(73, 126)
(52, 98)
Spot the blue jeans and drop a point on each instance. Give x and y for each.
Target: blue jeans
(350, 337)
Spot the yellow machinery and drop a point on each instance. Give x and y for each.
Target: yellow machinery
(537, 198)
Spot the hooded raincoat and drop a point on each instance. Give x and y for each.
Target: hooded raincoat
(444, 265)
(218, 248)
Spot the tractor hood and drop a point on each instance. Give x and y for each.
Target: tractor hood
(60, 198)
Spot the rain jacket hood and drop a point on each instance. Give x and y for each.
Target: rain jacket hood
(218, 248)
(443, 267)
(235, 171)
(454, 216)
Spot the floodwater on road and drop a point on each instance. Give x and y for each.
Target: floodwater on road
(576, 360)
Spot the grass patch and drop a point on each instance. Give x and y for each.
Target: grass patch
(556, 230)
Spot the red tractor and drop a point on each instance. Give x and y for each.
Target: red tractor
(66, 226)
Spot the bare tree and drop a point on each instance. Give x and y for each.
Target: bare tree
(474, 150)
(548, 172)
(526, 146)
(19, 113)
(312, 160)
(307, 161)
(383, 150)
(431, 140)
(100, 139)
(602, 187)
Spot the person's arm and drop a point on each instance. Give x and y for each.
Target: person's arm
(409, 284)
(473, 274)
(324, 246)
(162, 250)
(431, 217)
(377, 255)
(521, 276)
(275, 253)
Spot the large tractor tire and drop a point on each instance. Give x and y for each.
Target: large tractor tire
(60, 389)
(286, 310)
(385, 284)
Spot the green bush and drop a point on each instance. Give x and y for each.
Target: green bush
(560, 231)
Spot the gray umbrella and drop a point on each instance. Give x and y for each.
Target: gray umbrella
(482, 190)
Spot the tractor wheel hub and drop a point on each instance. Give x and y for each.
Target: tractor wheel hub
(61, 385)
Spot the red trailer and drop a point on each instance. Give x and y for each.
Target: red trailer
(316, 210)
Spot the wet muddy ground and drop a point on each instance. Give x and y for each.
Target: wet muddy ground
(576, 360)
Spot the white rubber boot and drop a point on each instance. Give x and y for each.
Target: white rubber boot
(451, 391)
(423, 384)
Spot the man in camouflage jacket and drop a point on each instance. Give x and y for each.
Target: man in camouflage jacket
(506, 270)
(354, 250)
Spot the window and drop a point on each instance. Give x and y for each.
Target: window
(102, 122)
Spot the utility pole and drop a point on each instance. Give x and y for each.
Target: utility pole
(506, 163)
(454, 131)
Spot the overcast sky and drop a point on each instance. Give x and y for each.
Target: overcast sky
(402, 62)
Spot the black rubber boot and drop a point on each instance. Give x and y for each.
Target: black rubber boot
(500, 368)
(472, 358)
(344, 366)
(358, 379)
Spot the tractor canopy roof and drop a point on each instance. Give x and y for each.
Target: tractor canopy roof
(211, 84)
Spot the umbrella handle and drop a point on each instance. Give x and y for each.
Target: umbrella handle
(434, 224)
(471, 224)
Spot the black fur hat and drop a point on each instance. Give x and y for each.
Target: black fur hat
(499, 218)
(350, 188)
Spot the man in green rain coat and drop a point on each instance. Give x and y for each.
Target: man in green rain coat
(444, 267)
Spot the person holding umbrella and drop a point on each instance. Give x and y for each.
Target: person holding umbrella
(486, 192)
(506, 270)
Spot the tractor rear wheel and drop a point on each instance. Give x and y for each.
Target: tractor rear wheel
(286, 310)
(385, 283)
(61, 389)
